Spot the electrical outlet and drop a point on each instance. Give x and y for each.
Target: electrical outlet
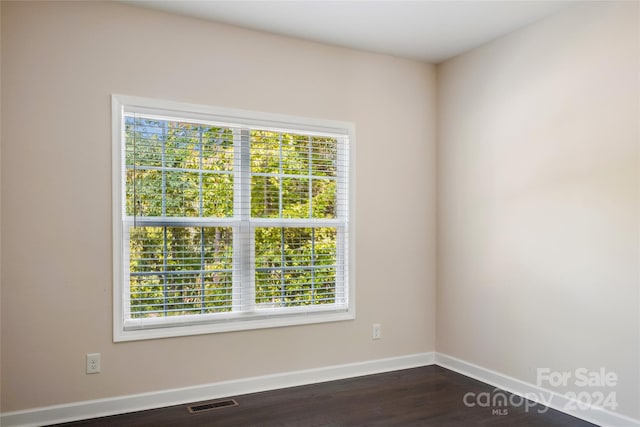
(376, 331)
(93, 363)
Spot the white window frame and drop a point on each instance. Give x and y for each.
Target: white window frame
(127, 329)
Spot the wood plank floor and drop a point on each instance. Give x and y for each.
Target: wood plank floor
(427, 396)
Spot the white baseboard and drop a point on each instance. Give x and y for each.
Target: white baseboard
(139, 402)
(593, 414)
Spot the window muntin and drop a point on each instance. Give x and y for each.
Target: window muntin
(230, 222)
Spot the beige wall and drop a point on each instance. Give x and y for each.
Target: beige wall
(61, 62)
(538, 196)
(538, 219)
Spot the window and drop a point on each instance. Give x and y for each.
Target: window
(227, 220)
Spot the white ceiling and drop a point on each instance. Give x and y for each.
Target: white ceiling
(430, 31)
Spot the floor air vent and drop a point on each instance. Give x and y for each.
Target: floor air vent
(211, 405)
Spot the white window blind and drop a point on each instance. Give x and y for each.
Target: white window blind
(228, 221)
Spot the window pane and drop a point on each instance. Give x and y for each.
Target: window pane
(180, 270)
(178, 169)
(295, 266)
(217, 194)
(323, 200)
(144, 189)
(182, 194)
(265, 152)
(217, 149)
(195, 146)
(295, 154)
(293, 176)
(143, 141)
(295, 198)
(265, 197)
(324, 155)
(181, 145)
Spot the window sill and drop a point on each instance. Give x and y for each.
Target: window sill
(136, 332)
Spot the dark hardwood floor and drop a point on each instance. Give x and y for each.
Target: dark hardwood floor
(427, 396)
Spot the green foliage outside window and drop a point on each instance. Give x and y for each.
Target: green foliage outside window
(176, 169)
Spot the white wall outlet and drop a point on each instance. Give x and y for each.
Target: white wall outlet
(376, 331)
(93, 363)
